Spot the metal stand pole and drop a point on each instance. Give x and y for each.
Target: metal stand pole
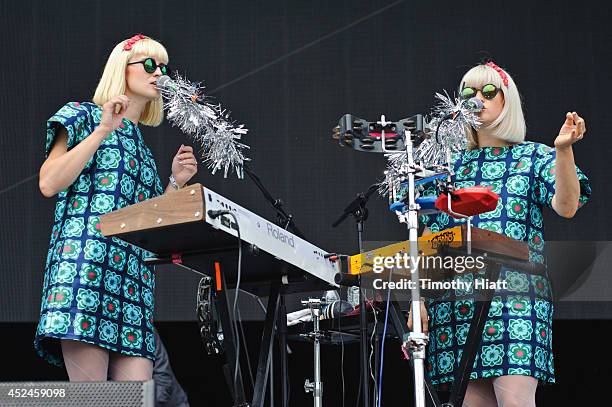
(282, 345)
(363, 327)
(417, 340)
(271, 375)
(377, 357)
(263, 365)
(315, 387)
(363, 346)
(358, 209)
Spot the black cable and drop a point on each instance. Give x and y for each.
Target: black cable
(263, 308)
(382, 348)
(215, 214)
(374, 332)
(236, 292)
(359, 390)
(246, 349)
(288, 385)
(342, 351)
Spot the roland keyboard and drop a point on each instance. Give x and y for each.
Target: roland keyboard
(178, 226)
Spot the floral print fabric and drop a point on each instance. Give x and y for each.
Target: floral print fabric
(517, 337)
(96, 289)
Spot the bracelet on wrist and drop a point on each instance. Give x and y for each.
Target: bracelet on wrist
(173, 182)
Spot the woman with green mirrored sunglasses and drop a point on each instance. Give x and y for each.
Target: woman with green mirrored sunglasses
(97, 161)
(515, 351)
(150, 66)
(488, 91)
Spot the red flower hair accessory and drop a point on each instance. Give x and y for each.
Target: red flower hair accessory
(500, 71)
(129, 43)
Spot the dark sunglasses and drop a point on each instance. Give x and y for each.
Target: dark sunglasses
(150, 66)
(488, 92)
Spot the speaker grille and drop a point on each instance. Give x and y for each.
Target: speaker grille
(82, 394)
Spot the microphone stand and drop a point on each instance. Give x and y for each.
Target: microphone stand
(358, 209)
(356, 133)
(417, 340)
(284, 219)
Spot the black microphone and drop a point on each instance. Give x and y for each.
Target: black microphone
(166, 83)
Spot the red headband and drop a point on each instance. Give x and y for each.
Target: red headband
(500, 71)
(129, 43)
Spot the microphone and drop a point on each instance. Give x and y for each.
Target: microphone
(473, 105)
(166, 83)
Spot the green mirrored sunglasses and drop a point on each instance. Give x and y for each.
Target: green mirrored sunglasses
(150, 65)
(488, 91)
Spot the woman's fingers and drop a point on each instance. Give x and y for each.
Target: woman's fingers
(424, 319)
(190, 161)
(575, 116)
(185, 149)
(185, 156)
(580, 125)
(575, 126)
(118, 104)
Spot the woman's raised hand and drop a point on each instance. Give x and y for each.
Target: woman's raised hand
(184, 165)
(571, 131)
(424, 319)
(113, 112)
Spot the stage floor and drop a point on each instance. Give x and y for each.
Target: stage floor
(582, 370)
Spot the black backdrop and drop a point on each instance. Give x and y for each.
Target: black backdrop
(289, 70)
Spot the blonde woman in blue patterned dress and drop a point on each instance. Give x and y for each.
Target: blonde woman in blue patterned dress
(97, 302)
(515, 353)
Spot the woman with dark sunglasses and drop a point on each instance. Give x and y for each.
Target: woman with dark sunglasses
(97, 307)
(515, 352)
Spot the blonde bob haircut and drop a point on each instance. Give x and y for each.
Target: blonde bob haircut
(112, 82)
(510, 125)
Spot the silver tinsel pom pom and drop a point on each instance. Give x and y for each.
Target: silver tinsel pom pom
(224, 149)
(395, 173)
(208, 124)
(433, 153)
(452, 133)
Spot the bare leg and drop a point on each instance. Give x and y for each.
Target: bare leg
(85, 362)
(124, 368)
(515, 390)
(480, 394)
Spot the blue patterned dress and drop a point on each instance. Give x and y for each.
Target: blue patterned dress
(517, 337)
(98, 290)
